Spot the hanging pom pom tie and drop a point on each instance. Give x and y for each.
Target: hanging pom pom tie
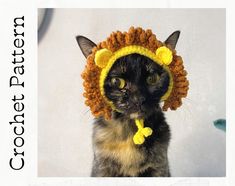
(142, 132)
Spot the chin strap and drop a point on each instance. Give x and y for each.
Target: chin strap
(142, 132)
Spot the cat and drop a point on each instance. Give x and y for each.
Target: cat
(135, 85)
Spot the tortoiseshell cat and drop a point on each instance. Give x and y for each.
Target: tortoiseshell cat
(135, 85)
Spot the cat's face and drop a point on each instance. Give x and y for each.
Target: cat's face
(135, 85)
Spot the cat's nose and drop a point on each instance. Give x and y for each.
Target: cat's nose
(141, 99)
(138, 99)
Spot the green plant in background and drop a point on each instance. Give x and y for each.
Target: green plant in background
(220, 124)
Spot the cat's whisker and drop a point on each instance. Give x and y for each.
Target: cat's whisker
(86, 111)
(115, 94)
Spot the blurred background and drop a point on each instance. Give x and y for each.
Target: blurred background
(197, 148)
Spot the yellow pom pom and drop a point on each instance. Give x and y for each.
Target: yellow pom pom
(102, 57)
(164, 55)
(146, 131)
(142, 132)
(138, 138)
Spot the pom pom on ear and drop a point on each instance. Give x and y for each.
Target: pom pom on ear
(102, 57)
(164, 55)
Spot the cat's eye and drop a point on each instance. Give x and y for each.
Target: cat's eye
(118, 82)
(153, 79)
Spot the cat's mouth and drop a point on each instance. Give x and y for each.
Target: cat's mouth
(136, 115)
(137, 112)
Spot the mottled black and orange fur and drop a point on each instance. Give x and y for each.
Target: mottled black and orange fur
(115, 154)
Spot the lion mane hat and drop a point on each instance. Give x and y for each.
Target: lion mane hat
(102, 56)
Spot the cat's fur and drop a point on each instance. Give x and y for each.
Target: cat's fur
(115, 154)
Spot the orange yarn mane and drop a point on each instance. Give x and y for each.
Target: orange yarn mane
(117, 40)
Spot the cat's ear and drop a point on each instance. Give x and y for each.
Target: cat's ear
(172, 39)
(85, 45)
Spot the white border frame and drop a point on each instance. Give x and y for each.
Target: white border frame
(11, 9)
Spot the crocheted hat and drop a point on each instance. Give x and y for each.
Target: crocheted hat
(101, 57)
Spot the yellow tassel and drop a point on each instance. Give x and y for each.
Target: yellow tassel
(142, 132)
